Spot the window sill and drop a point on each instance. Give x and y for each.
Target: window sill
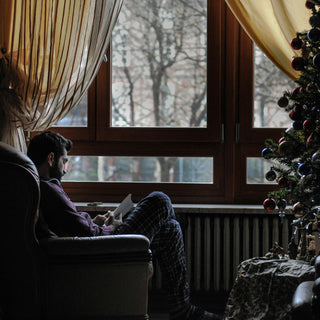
(188, 208)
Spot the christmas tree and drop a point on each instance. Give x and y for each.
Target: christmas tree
(296, 156)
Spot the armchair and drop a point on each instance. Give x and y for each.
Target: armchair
(306, 299)
(63, 278)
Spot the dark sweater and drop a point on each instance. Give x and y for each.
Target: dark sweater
(61, 215)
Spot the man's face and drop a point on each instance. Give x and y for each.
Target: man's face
(59, 169)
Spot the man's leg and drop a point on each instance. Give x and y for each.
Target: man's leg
(154, 217)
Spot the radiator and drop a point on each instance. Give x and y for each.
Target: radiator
(215, 244)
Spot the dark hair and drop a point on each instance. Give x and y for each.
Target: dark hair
(46, 142)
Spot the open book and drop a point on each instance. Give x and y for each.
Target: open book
(124, 207)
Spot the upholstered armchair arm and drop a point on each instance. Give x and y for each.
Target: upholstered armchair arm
(111, 248)
(106, 277)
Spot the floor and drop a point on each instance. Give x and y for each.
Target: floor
(158, 306)
(161, 316)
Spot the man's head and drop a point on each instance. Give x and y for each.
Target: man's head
(48, 150)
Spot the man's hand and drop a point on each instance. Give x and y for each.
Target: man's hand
(99, 219)
(111, 221)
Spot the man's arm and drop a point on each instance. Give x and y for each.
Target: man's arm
(62, 216)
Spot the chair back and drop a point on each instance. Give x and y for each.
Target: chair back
(21, 269)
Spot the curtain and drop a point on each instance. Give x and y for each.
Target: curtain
(50, 52)
(272, 24)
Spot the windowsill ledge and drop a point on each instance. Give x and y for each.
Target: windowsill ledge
(187, 208)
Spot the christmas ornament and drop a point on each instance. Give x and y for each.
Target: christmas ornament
(304, 169)
(315, 160)
(314, 21)
(297, 125)
(298, 209)
(313, 140)
(296, 90)
(314, 35)
(296, 43)
(285, 147)
(298, 63)
(269, 204)
(296, 112)
(266, 152)
(271, 175)
(282, 203)
(310, 5)
(311, 86)
(283, 182)
(281, 140)
(316, 60)
(294, 115)
(309, 125)
(298, 108)
(283, 102)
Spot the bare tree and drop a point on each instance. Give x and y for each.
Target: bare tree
(270, 83)
(159, 66)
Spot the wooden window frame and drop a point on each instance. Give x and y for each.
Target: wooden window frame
(101, 139)
(230, 107)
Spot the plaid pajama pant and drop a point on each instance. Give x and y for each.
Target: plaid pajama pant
(154, 217)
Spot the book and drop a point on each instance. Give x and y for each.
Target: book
(124, 207)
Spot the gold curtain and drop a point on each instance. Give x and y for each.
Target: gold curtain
(50, 51)
(272, 24)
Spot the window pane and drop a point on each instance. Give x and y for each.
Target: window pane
(269, 85)
(140, 169)
(159, 53)
(78, 116)
(257, 169)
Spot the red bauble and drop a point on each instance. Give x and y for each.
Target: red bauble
(310, 4)
(296, 90)
(269, 204)
(281, 139)
(295, 114)
(296, 43)
(283, 182)
(298, 63)
(309, 125)
(313, 140)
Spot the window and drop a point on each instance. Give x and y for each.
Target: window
(159, 65)
(262, 86)
(140, 169)
(175, 109)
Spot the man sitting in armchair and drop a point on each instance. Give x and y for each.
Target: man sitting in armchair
(153, 217)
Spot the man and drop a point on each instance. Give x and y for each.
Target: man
(153, 217)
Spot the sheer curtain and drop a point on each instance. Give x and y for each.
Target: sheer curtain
(272, 24)
(50, 51)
